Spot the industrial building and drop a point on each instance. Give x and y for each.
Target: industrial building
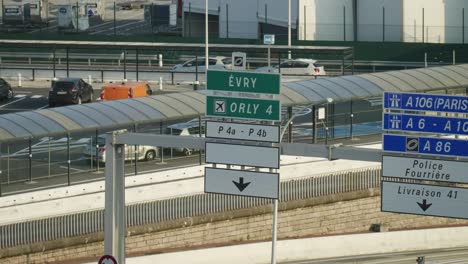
(428, 21)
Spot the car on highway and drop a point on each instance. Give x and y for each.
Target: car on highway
(296, 67)
(215, 63)
(66, 91)
(146, 153)
(190, 128)
(6, 92)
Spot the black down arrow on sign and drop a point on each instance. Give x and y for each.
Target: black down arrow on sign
(241, 185)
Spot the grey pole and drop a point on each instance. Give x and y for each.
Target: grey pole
(305, 22)
(206, 37)
(344, 23)
(68, 65)
(68, 159)
(463, 25)
(275, 228)
(30, 161)
(135, 128)
(195, 86)
(289, 29)
(314, 125)
(189, 20)
(200, 160)
(53, 61)
(227, 21)
(114, 229)
(383, 24)
(136, 58)
(290, 125)
(125, 64)
(115, 26)
(423, 25)
(77, 18)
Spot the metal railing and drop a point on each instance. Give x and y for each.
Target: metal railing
(83, 223)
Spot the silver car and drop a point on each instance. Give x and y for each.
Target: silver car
(143, 152)
(215, 63)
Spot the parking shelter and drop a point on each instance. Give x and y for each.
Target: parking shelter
(45, 144)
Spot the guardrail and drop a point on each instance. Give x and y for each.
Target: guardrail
(78, 224)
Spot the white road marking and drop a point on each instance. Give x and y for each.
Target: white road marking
(42, 107)
(36, 96)
(63, 167)
(22, 98)
(20, 95)
(22, 92)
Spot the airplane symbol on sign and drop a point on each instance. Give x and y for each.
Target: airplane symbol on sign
(220, 106)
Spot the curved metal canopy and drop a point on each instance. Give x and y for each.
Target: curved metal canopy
(116, 114)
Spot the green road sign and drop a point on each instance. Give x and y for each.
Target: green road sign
(248, 82)
(231, 107)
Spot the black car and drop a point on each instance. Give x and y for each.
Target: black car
(5, 90)
(65, 91)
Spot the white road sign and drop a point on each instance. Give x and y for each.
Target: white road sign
(264, 157)
(245, 183)
(239, 61)
(425, 169)
(423, 199)
(243, 131)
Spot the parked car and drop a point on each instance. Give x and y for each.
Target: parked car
(65, 91)
(216, 63)
(6, 92)
(296, 67)
(190, 128)
(123, 90)
(146, 153)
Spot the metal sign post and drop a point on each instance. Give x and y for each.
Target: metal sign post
(114, 229)
(268, 40)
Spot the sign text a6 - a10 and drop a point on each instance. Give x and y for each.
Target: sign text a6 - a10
(248, 82)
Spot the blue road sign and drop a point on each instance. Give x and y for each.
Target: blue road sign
(426, 102)
(427, 124)
(425, 145)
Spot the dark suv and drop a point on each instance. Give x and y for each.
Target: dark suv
(65, 91)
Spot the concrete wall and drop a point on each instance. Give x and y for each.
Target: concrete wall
(318, 217)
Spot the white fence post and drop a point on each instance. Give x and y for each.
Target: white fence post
(160, 60)
(19, 80)
(160, 83)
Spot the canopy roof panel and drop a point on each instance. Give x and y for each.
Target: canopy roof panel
(159, 108)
